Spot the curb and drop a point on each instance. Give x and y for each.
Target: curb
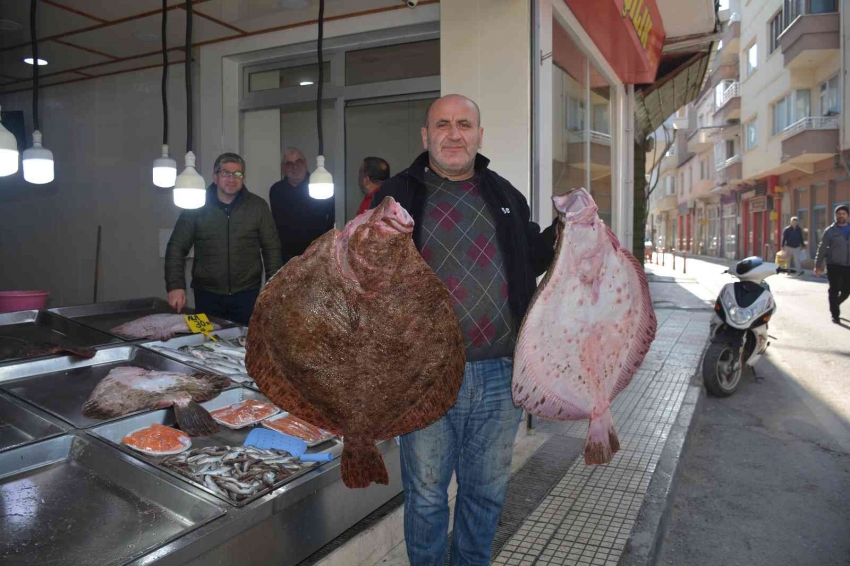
(653, 518)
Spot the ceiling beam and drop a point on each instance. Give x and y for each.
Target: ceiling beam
(74, 11)
(86, 49)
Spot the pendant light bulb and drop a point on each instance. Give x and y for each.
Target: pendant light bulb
(321, 181)
(8, 152)
(190, 191)
(164, 170)
(38, 162)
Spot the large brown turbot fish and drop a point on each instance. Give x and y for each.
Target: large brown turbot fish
(358, 336)
(588, 329)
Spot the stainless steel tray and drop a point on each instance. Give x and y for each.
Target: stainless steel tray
(20, 424)
(116, 430)
(70, 500)
(106, 316)
(62, 385)
(42, 326)
(229, 334)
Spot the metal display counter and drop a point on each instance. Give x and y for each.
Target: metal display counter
(72, 494)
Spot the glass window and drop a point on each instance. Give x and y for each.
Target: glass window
(780, 115)
(802, 105)
(581, 136)
(393, 62)
(730, 149)
(752, 59)
(288, 77)
(718, 155)
(793, 9)
(775, 31)
(820, 225)
(822, 6)
(752, 138)
(730, 230)
(790, 109)
(830, 102)
(803, 223)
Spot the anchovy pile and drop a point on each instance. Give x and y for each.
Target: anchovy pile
(235, 473)
(225, 359)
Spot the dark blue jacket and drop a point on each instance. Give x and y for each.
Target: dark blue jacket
(792, 237)
(527, 251)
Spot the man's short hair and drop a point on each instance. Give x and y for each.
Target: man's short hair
(292, 149)
(228, 158)
(843, 207)
(477, 109)
(377, 169)
(794, 219)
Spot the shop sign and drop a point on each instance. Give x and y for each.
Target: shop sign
(628, 33)
(758, 204)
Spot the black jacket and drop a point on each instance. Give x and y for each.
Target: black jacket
(792, 237)
(527, 252)
(299, 218)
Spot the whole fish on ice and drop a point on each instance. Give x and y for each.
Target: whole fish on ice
(127, 389)
(155, 327)
(588, 329)
(12, 348)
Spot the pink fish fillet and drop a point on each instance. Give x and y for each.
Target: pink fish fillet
(588, 329)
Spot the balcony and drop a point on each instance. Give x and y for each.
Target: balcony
(595, 137)
(700, 141)
(732, 35)
(810, 40)
(730, 103)
(724, 71)
(810, 140)
(729, 171)
(668, 203)
(600, 152)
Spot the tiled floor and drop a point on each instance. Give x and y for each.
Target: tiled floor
(586, 519)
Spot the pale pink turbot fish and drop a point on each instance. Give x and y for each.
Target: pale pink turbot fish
(587, 330)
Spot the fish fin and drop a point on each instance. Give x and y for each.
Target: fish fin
(86, 353)
(602, 442)
(194, 420)
(362, 464)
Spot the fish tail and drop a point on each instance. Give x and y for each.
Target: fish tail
(362, 464)
(194, 420)
(602, 442)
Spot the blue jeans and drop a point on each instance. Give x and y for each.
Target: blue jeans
(475, 439)
(237, 307)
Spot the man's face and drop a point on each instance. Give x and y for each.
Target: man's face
(453, 135)
(841, 216)
(294, 167)
(225, 179)
(362, 180)
(793, 223)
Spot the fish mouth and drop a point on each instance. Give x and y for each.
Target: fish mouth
(576, 206)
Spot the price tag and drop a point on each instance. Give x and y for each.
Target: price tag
(200, 324)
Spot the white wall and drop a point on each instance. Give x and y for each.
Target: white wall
(261, 150)
(484, 54)
(104, 135)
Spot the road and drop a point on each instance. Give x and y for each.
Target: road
(766, 479)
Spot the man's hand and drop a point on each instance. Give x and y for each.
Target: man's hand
(177, 299)
(817, 272)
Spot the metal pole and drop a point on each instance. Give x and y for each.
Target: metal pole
(685, 262)
(674, 261)
(663, 254)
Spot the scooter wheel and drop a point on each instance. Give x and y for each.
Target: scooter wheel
(722, 369)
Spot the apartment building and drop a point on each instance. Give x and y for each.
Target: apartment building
(791, 58)
(663, 200)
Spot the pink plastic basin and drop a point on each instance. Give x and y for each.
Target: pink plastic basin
(11, 301)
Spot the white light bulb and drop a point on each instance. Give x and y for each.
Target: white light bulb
(190, 191)
(8, 152)
(164, 170)
(321, 181)
(38, 162)
(41, 62)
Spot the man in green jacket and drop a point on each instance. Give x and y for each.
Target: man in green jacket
(234, 237)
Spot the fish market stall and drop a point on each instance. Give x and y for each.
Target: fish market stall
(107, 316)
(72, 492)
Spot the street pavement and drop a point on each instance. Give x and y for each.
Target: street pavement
(766, 476)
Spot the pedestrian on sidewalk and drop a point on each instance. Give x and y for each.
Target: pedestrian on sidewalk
(834, 250)
(792, 243)
(472, 227)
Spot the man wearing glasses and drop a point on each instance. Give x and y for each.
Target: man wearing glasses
(234, 239)
(299, 218)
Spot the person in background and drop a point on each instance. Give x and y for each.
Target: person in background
(792, 243)
(473, 228)
(373, 172)
(299, 218)
(834, 251)
(234, 239)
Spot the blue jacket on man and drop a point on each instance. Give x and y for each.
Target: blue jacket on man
(792, 237)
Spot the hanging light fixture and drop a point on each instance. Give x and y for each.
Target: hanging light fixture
(8, 152)
(164, 168)
(321, 181)
(38, 160)
(190, 191)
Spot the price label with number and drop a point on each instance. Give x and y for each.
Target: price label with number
(199, 324)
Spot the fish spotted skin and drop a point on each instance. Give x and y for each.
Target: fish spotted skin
(359, 337)
(588, 329)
